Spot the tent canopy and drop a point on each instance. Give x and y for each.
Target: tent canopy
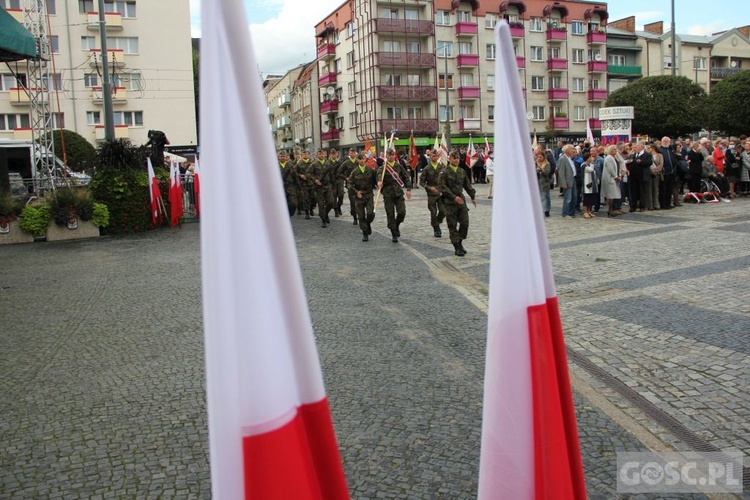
(16, 42)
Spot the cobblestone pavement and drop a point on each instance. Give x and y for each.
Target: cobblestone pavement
(101, 352)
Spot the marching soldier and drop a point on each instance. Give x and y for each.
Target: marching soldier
(307, 186)
(344, 170)
(453, 181)
(321, 173)
(361, 182)
(291, 181)
(394, 179)
(429, 181)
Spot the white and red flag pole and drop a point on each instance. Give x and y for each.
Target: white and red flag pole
(471, 153)
(176, 208)
(154, 193)
(197, 187)
(270, 430)
(530, 444)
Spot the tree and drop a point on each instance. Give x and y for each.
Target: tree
(79, 153)
(728, 109)
(664, 105)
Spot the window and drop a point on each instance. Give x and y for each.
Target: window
(490, 82)
(595, 112)
(579, 85)
(131, 81)
(90, 80)
(616, 60)
(491, 112)
(88, 42)
(339, 94)
(491, 47)
(413, 47)
(490, 20)
(393, 113)
(386, 13)
(85, 6)
(351, 89)
(465, 48)
(537, 83)
(467, 79)
(349, 30)
(337, 65)
(10, 4)
(463, 16)
(554, 22)
(443, 18)
(411, 14)
(442, 114)
(576, 28)
(443, 78)
(466, 112)
(594, 83)
(123, 7)
(54, 42)
(413, 79)
(553, 53)
(58, 120)
(699, 63)
(392, 79)
(391, 46)
(335, 38)
(350, 59)
(414, 113)
(579, 113)
(353, 119)
(444, 49)
(128, 44)
(52, 82)
(10, 122)
(555, 82)
(537, 53)
(538, 113)
(535, 24)
(8, 82)
(595, 55)
(557, 111)
(129, 118)
(93, 118)
(340, 122)
(51, 7)
(578, 56)
(594, 27)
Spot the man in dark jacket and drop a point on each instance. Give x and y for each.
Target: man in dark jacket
(666, 187)
(361, 182)
(451, 183)
(429, 181)
(395, 179)
(639, 165)
(322, 176)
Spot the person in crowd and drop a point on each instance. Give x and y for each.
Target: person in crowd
(590, 186)
(639, 163)
(452, 183)
(597, 160)
(567, 181)
(711, 173)
(623, 151)
(542, 174)
(695, 162)
(307, 184)
(657, 174)
(745, 170)
(394, 179)
(361, 183)
(337, 183)
(578, 170)
(343, 171)
(290, 179)
(429, 181)
(732, 165)
(719, 155)
(489, 165)
(667, 195)
(322, 176)
(611, 181)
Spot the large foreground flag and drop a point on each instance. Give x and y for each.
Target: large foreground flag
(270, 430)
(154, 193)
(529, 436)
(197, 187)
(176, 208)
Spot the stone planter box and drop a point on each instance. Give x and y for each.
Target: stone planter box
(15, 235)
(85, 229)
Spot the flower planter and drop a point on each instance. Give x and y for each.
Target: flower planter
(83, 229)
(14, 234)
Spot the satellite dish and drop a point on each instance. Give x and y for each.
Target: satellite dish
(529, 115)
(734, 64)
(597, 57)
(325, 128)
(330, 90)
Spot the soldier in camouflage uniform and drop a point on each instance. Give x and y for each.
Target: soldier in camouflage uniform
(337, 183)
(453, 181)
(361, 182)
(394, 179)
(429, 181)
(307, 186)
(345, 168)
(291, 181)
(322, 175)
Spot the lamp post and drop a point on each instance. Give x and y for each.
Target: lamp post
(447, 99)
(674, 39)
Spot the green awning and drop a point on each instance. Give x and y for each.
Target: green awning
(16, 42)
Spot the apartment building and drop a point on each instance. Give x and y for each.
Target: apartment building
(425, 66)
(150, 66)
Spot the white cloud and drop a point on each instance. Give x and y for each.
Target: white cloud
(649, 16)
(708, 29)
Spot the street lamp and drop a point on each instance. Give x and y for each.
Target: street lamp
(447, 100)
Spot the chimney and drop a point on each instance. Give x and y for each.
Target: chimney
(745, 30)
(625, 24)
(656, 28)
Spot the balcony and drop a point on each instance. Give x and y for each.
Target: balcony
(115, 57)
(557, 64)
(466, 28)
(119, 95)
(560, 123)
(112, 20)
(632, 71)
(467, 124)
(521, 62)
(468, 92)
(597, 66)
(596, 37)
(331, 135)
(719, 73)
(22, 134)
(558, 94)
(598, 95)
(556, 34)
(423, 126)
(329, 106)
(406, 92)
(327, 79)
(326, 51)
(517, 30)
(121, 132)
(18, 96)
(405, 59)
(464, 60)
(285, 100)
(594, 123)
(410, 26)
(283, 122)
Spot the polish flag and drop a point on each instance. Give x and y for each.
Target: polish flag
(413, 154)
(270, 430)
(471, 154)
(443, 150)
(176, 209)
(589, 133)
(530, 444)
(197, 187)
(486, 153)
(155, 193)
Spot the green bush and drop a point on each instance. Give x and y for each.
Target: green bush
(79, 153)
(10, 208)
(35, 219)
(101, 215)
(120, 155)
(126, 195)
(67, 203)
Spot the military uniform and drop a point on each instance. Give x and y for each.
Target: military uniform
(452, 184)
(337, 185)
(429, 180)
(320, 172)
(363, 182)
(291, 185)
(345, 168)
(307, 187)
(396, 178)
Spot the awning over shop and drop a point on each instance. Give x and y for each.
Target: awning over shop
(16, 42)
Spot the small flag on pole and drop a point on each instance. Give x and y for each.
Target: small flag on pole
(154, 193)
(589, 133)
(270, 430)
(443, 150)
(471, 154)
(530, 444)
(176, 208)
(486, 148)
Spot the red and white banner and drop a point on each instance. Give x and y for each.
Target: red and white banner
(486, 153)
(154, 193)
(413, 154)
(270, 430)
(197, 187)
(443, 150)
(176, 208)
(530, 444)
(471, 154)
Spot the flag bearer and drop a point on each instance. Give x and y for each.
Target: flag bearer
(452, 183)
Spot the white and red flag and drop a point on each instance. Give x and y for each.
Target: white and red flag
(589, 132)
(530, 444)
(270, 430)
(486, 153)
(176, 208)
(443, 150)
(197, 187)
(471, 154)
(154, 193)
(413, 154)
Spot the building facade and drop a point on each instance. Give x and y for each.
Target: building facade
(150, 66)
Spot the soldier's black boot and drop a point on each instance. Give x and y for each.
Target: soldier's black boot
(394, 235)
(365, 236)
(397, 230)
(438, 233)
(459, 251)
(461, 246)
(355, 219)
(307, 214)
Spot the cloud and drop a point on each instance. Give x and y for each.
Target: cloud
(708, 29)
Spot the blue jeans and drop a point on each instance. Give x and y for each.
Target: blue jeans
(545, 200)
(569, 201)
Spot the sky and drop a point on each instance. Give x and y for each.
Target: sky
(283, 31)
